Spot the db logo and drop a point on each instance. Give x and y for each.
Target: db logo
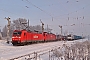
(35, 36)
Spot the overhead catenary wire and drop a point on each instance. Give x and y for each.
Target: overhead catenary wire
(8, 11)
(42, 10)
(83, 7)
(45, 11)
(68, 13)
(52, 17)
(50, 14)
(16, 14)
(39, 8)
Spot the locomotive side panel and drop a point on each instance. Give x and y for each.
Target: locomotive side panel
(28, 37)
(23, 36)
(49, 37)
(37, 37)
(53, 37)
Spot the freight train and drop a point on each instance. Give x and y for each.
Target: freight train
(24, 36)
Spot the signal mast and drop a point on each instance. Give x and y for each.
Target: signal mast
(8, 28)
(60, 28)
(42, 26)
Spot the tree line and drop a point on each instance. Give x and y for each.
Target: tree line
(20, 24)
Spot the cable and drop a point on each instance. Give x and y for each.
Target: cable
(16, 14)
(38, 8)
(73, 11)
(51, 15)
(8, 11)
(45, 11)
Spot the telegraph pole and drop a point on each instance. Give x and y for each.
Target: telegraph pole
(8, 28)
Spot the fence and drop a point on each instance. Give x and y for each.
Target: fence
(77, 51)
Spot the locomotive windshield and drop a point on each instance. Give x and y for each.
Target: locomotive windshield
(69, 35)
(17, 33)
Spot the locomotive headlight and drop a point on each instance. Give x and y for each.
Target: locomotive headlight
(19, 37)
(12, 37)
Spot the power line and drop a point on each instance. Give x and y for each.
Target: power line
(38, 8)
(7, 11)
(43, 10)
(73, 11)
(11, 12)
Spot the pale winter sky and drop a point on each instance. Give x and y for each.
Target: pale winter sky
(72, 15)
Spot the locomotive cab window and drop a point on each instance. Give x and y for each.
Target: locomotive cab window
(17, 33)
(69, 35)
(44, 34)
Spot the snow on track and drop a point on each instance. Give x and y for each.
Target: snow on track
(8, 51)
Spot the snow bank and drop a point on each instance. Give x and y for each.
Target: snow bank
(8, 51)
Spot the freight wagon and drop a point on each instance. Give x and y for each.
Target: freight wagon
(73, 37)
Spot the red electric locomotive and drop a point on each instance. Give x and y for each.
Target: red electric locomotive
(24, 36)
(49, 36)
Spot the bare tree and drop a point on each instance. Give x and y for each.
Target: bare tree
(12, 28)
(20, 24)
(4, 31)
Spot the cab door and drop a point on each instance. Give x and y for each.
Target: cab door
(24, 37)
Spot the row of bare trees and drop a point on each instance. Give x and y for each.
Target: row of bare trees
(20, 24)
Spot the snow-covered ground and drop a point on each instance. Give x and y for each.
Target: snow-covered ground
(8, 51)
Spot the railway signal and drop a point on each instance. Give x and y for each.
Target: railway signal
(42, 26)
(8, 28)
(61, 29)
